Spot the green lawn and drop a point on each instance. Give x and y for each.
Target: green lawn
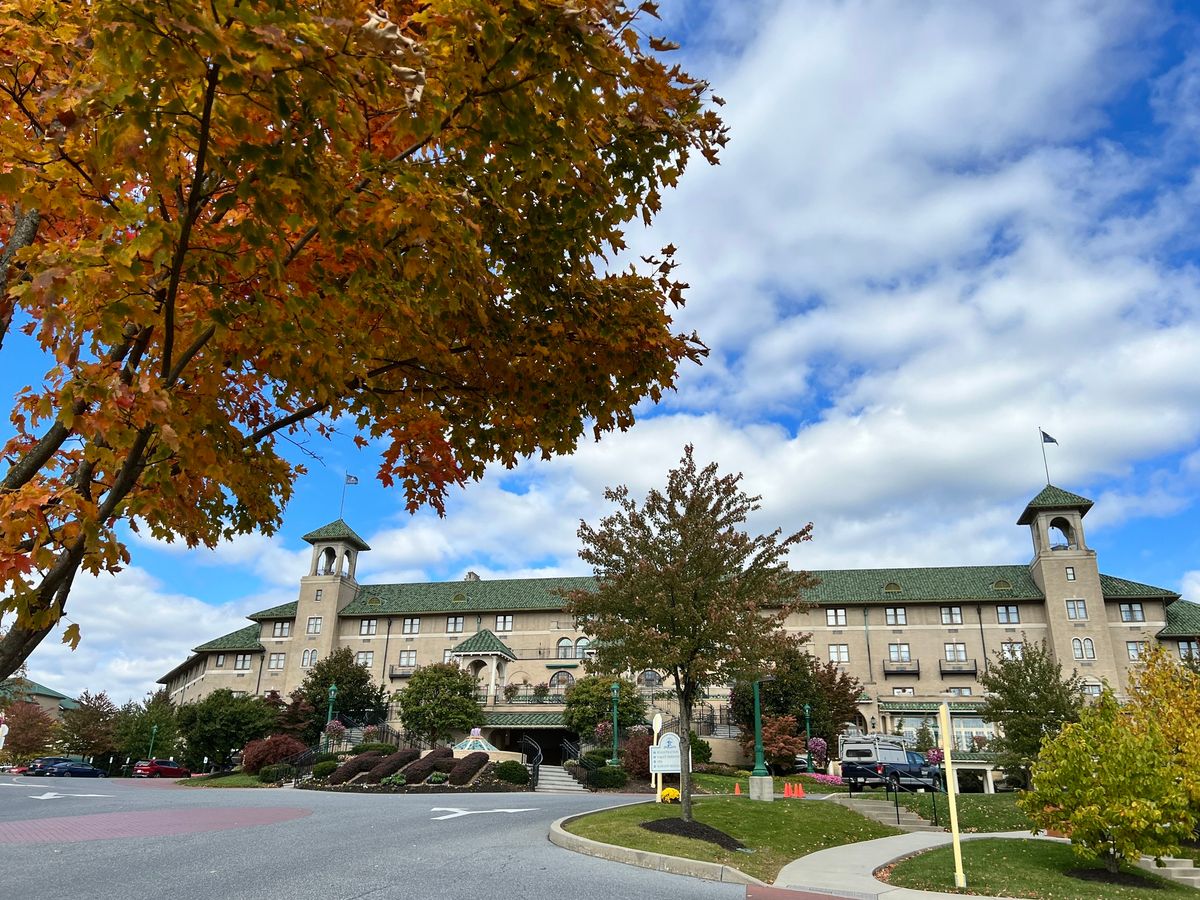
(1016, 868)
(777, 832)
(224, 780)
(976, 812)
(723, 784)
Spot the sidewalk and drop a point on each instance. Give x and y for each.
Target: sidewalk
(846, 871)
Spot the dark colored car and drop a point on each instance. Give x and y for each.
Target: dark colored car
(75, 770)
(41, 765)
(159, 768)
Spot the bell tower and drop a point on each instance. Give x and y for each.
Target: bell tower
(1065, 569)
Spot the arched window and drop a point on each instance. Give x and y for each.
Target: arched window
(566, 650)
(1089, 649)
(560, 681)
(649, 679)
(1077, 648)
(581, 648)
(1062, 535)
(328, 562)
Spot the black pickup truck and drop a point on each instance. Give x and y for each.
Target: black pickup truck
(876, 763)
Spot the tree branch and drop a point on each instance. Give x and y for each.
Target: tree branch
(24, 230)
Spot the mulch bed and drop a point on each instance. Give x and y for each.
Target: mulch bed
(697, 830)
(1126, 879)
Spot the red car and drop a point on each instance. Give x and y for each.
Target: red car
(159, 768)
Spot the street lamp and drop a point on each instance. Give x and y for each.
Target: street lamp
(762, 786)
(808, 734)
(616, 695)
(153, 734)
(329, 712)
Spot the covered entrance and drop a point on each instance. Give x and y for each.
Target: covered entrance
(510, 731)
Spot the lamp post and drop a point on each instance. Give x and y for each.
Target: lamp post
(616, 696)
(329, 712)
(808, 734)
(153, 735)
(762, 786)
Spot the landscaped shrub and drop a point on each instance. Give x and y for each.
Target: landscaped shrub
(390, 765)
(373, 745)
(468, 767)
(608, 777)
(398, 779)
(364, 762)
(439, 778)
(511, 771)
(418, 771)
(701, 749)
(268, 750)
(325, 768)
(597, 756)
(635, 755)
(326, 757)
(276, 773)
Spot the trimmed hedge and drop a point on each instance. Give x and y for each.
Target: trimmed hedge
(364, 762)
(326, 757)
(269, 750)
(468, 767)
(418, 771)
(511, 771)
(390, 766)
(373, 745)
(608, 777)
(276, 773)
(325, 768)
(597, 756)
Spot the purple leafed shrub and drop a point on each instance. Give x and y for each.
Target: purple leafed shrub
(390, 765)
(418, 771)
(468, 767)
(364, 762)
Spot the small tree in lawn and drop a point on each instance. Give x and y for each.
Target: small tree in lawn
(1031, 700)
(223, 722)
(682, 589)
(137, 721)
(438, 700)
(924, 739)
(88, 728)
(1113, 785)
(31, 731)
(589, 702)
(781, 742)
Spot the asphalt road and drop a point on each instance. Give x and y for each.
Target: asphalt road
(95, 839)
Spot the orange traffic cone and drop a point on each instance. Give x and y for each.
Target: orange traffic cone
(797, 791)
(787, 789)
(737, 788)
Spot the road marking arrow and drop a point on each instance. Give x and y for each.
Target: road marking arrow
(453, 812)
(50, 795)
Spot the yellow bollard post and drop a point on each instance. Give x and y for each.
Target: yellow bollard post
(960, 878)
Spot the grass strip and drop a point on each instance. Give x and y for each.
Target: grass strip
(777, 832)
(223, 780)
(1002, 867)
(976, 812)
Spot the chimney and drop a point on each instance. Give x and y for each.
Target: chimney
(471, 576)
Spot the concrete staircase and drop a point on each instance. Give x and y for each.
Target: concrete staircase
(884, 812)
(557, 780)
(1181, 871)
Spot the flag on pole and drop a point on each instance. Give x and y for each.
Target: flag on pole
(353, 479)
(1046, 439)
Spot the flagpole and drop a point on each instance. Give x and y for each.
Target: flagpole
(342, 505)
(1041, 440)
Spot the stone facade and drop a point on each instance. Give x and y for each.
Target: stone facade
(914, 637)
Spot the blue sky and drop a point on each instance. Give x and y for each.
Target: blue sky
(937, 227)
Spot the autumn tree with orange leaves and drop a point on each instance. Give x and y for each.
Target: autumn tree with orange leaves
(226, 222)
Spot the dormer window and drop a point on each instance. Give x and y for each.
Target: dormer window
(892, 588)
(1002, 585)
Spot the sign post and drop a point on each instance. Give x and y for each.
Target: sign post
(656, 777)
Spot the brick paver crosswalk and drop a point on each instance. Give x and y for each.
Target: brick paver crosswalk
(147, 823)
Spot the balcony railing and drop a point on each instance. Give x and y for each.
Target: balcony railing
(395, 672)
(901, 667)
(958, 667)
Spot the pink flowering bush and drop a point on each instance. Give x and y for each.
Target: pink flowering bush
(335, 729)
(935, 756)
(825, 779)
(603, 733)
(820, 752)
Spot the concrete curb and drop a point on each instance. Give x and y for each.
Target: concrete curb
(660, 862)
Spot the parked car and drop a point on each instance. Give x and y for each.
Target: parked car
(159, 768)
(42, 764)
(873, 760)
(75, 770)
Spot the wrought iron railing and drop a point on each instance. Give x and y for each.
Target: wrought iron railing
(533, 758)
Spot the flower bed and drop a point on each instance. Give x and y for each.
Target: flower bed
(484, 783)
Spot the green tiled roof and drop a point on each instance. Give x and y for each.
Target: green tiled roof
(14, 686)
(337, 530)
(1053, 497)
(524, 720)
(928, 706)
(283, 611)
(1183, 620)
(1121, 587)
(472, 596)
(242, 639)
(482, 642)
(943, 583)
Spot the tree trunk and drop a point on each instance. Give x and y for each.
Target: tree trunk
(685, 757)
